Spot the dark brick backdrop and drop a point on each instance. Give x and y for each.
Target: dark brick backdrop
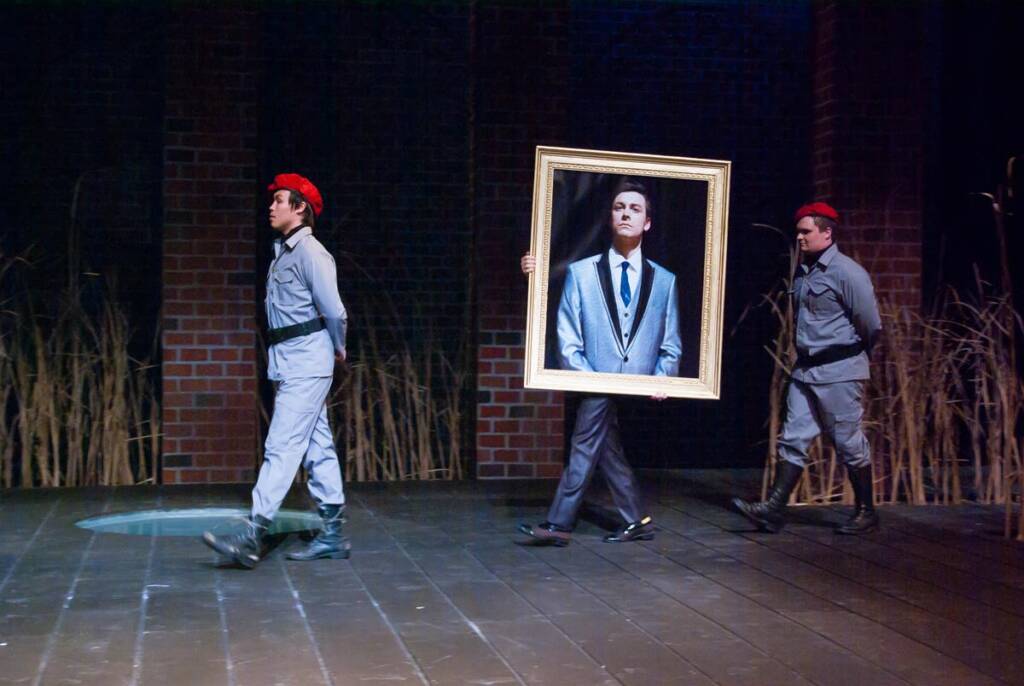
(80, 140)
(723, 81)
(419, 122)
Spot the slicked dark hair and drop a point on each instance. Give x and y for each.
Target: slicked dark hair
(634, 186)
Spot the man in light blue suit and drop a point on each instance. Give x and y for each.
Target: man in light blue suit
(619, 313)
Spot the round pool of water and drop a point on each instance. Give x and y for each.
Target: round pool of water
(193, 521)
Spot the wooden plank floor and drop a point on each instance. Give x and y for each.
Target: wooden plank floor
(437, 592)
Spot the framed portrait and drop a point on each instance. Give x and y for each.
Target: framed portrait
(628, 290)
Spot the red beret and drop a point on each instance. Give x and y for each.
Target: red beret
(299, 184)
(817, 209)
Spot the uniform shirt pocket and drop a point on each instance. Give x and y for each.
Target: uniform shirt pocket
(287, 287)
(822, 301)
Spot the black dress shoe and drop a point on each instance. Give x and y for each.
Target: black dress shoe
(547, 533)
(637, 531)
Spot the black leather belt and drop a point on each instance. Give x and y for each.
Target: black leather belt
(833, 354)
(295, 330)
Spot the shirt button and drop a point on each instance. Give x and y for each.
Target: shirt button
(626, 314)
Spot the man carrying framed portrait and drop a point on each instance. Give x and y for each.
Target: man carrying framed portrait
(618, 313)
(623, 300)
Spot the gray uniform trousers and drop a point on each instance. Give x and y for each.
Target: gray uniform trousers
(298, 431)
(834, 408)
(596, 444)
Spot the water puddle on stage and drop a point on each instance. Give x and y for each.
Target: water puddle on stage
(193, 522)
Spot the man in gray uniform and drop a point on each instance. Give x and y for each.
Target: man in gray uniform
(837, 324)
(618, 313)
(307, 339)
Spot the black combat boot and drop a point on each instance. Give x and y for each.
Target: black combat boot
(329, 542)
(864, 519)
(245, 548)
(770, 515)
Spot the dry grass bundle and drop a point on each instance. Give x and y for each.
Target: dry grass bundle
(397, 410)
(78, 410)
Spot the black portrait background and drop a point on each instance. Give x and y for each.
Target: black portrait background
(580, 213)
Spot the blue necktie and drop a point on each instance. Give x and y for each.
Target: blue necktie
(624, 285)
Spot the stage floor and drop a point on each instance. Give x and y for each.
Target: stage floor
(436, 592)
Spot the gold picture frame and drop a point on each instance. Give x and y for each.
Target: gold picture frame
(689, 203)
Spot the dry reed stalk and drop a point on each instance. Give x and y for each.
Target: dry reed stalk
(359, 422)
(904, 379)
(144, 431)
(382, 467)
(783, 354)
(782, 346)
(25, 419)
(6, 388)
(79, 370)
(6, 439)
(71, 391)
(424, 408)
(345, 439)
(396, 411)
(452, 416)
(942, 389)
(391, 418)
(391, 443)
(1007, 373)
(114, 374)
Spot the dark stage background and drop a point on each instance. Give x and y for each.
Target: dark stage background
(418, 122)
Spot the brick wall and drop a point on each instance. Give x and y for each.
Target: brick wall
(209, 362)
(520, 74)
(370, 101)
(870, 94)
(721, 80)
(419, 121)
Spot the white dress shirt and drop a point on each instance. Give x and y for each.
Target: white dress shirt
(626, 312)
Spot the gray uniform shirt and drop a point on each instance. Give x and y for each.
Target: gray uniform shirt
(302, 284)
(835, 306)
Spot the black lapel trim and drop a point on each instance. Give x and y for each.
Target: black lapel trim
(604, 275)
(646, 284)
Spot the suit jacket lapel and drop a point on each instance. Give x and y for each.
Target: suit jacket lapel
(604, 276)
(646, 283)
